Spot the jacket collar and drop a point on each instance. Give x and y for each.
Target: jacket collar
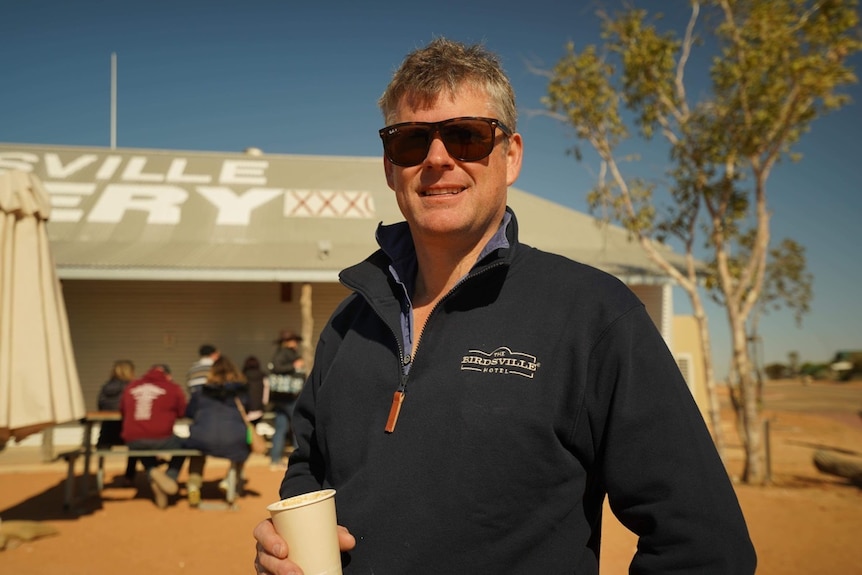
(396, 257)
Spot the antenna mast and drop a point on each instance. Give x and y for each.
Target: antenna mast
(113, 100)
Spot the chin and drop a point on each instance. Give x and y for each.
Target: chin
(442, 225)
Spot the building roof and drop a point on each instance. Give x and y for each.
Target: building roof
(184, 215)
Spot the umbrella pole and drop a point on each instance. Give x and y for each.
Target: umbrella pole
(48, 445)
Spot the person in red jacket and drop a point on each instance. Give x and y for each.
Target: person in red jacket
(150, 406)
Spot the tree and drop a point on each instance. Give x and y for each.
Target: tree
(787, 284)
(793, 362)
(776, 67)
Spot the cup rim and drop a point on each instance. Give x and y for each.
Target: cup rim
(322, 494)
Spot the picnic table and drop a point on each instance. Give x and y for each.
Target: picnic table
(88, 451)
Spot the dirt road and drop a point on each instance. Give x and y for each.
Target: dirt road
(805, 522)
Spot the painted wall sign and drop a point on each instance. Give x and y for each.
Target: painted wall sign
(104, 186)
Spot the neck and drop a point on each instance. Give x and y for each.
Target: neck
(443, 260)
(439, 269)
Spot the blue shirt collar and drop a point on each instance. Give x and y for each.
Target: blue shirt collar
(397, 242)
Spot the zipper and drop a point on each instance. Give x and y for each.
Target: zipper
(395, 408)
(401, 392)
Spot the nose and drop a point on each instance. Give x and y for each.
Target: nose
(437, 154)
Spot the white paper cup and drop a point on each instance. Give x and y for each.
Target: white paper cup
(307, 522)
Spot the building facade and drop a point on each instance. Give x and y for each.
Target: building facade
(159, 251)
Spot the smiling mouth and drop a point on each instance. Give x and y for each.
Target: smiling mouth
(441, 192)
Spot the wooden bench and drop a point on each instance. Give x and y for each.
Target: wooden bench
(72, 456)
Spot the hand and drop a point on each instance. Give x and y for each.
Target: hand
(271, 551)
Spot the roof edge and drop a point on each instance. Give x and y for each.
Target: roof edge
(196, 274)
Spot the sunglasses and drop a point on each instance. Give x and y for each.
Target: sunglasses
(467, 139)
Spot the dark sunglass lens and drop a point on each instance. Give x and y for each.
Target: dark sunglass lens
(468, 140)
(408, 145)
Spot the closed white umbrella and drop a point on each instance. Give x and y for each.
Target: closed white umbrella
(39, 385)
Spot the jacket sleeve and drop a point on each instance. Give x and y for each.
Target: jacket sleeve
(181, 404)
(110, 394)
(191, 407)
(124, 399)
(307, 471)
(663, 476)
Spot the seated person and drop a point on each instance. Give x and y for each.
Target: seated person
(218, 428)
(150, 406)
(110, 432)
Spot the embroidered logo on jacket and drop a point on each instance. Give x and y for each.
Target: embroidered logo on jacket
(501, 360)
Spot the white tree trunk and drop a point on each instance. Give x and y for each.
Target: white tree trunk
(713, 406)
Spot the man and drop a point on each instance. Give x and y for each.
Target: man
(197, 374)
(286, 378)
(527, 387)
(150, 406)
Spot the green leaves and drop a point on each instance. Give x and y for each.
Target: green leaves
(780, 66)
(580, 89)
(774, 68)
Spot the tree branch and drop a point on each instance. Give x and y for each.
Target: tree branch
(687, 42)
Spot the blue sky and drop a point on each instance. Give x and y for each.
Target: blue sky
(304, 78)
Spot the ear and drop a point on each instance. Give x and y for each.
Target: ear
(389, 170)
(514, 157)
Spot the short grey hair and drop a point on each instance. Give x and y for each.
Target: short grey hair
(445, 66)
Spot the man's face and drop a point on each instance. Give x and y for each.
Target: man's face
(447, 200)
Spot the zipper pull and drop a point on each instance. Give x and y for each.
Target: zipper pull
(397, 400)
(395, 409)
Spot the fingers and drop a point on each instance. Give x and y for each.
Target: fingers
(346, 541)
(268, 540)
(271, 552)
(267, 564)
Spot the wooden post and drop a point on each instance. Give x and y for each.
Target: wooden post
(307, 324)
(768, 449)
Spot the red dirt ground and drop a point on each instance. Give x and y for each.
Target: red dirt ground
(804, 522)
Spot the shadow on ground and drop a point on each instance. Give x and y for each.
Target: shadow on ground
(48, 505)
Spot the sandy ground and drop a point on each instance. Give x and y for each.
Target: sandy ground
(804, 522)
